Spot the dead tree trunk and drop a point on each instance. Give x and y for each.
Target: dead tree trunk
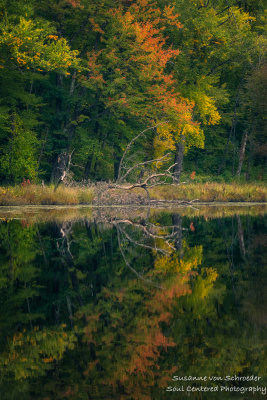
(241, 237)
(242, 152)
(63, 160)
(61, 168)
(178, 160)
(177, 223)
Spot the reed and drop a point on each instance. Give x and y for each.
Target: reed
(203, 192)
(39, 195)
(210, 192)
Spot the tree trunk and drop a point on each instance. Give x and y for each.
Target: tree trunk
(61, 168)
(178, 159)
(90, 164)
(42, 150)
(242, 153)
(116, 166)
(178, 242)
(241, 237)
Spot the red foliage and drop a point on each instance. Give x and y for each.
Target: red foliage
(192, 228)
(193, 175)
(25, 183)
(74, 3)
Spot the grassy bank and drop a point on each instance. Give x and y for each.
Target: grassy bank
(38, 195)
(208, 192)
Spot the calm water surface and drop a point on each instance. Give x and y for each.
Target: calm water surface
(133, 304)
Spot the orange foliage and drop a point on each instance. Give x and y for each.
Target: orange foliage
(193, 175)
(140, 49)
(192, 228)
(75, 3)
(135, 366)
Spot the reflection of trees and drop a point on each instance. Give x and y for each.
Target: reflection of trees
(124, 329)
(137, 321)
(25, 350)
(139, 299)
(17, 253)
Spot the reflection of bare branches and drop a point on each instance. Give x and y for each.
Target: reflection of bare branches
(161, 236)
(188, 203)
(144, 225)
(138, 243)
(69, 306)
(65, 231)
(67, 258)
(152, 231)
(241, 237)
(129, 265)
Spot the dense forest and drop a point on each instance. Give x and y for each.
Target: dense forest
(81, 78)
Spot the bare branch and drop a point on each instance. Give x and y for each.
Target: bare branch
(146, 230)
(130, 267)
(157, 160)
(131, 143)
(142, 244)
(145, 183)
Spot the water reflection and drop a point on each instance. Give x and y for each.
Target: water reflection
(115, 305)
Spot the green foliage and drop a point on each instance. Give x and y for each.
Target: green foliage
(19, 159)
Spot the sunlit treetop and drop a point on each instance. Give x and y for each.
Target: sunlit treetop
(35, 45)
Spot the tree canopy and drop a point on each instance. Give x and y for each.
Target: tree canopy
(83, 77)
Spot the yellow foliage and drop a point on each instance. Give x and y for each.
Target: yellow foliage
(30, 47)
(163, 141)
(169, 134)
(207, 109)
(192, 257)
(30, 353)
(204, 284)
(48, 360)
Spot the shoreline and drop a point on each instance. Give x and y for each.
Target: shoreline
(61, 213)
(163, 203)
(102, 195)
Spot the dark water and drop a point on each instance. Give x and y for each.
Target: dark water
(125, 304)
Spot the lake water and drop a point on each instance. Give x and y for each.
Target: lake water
(133, 304)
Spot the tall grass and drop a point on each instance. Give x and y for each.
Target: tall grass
(38, 195)
(210, 192)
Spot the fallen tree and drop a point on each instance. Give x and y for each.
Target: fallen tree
(153, 172)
